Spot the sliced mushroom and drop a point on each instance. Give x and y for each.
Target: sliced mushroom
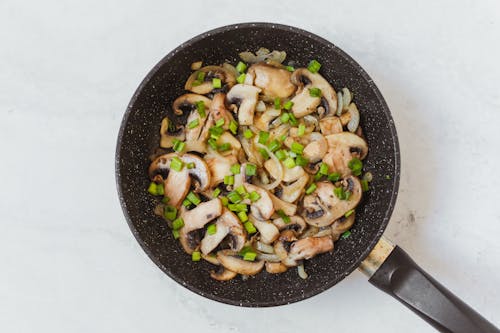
(342, 225)
(200, 173)
(187, 102)
(274, 82)
(293, 191)
(289, 175)
(211, 258)
(219, 166)
(323, 207)
(218, 110)
(342, 148)
(316, 149)
(267, 230)
(196, 137)
(306, 248)
(263, 120)
(167, 137)
(304, 104)
(223, 274)
(245, 96)
(263, 208)
(288, 208)
(330, 125)
(206, 86)
(227, 137)
(282, 245)
(275, 267)
(227, 224)
(297, 224)
(232, 261)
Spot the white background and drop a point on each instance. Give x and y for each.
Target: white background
(67, 71)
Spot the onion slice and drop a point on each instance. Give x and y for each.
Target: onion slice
(279, 172)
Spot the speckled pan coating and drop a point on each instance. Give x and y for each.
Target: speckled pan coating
(139, 137)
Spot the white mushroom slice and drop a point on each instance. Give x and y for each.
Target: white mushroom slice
(288, 208)
(196, 137)
(275, 267)
(274, 82)
(289, 175)
(230, 260)
(304, 103)
(296, 224)
(223, 274)
(323, 207)
(314, 80)
(226, 224)
(263, 208)
(264, 119)
(317, 148)
(246, 97)
(187, 102)
(282, 245)
(306, 248)
(292, 192)
(166, 137)
(177, 186)
(211, 258)
(207, 86)
(268, 231)
(342, 148)
(219, 166)
(227, 137)
(330, 125)
(218, 110)
(342, 225)
(200, 173)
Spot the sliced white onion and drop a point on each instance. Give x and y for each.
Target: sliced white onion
(340, 103)
(265, 248)
(260, 107)
(346, 98)
(353, 124)
(263, 54)
(230, 68)
(268, 257)
(277, 181)
(302, 272)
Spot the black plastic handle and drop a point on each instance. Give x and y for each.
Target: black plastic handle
(403, 279)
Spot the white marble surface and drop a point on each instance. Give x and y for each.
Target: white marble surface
(67, 72)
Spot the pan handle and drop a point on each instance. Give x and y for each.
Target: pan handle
(393, 271)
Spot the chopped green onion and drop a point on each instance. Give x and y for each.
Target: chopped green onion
(364, 185)
(220, 122)
(193, 124)
(178, 145)
(293, 121)
(347, 195)
(264, 153)
(297, 148)
(233, 127)
(224, 147)
(234, 197)
(216, 83)
(346, 235)
(285, 117)
(288, 105)
(224, 201)
(289, 163)
(215, 131)
(356, 166)
(212, 229)
(176, 164)
(334, 176)
(200, 107)
(290, 68)
(165, 199)
(339, 192)
(387, 177)
(314, 92)
(229, 180)
(301, 161)
(250, 169)
(323, 168)
(283, 137)
(170, 212)
(248, 134)
(241, 67)
(302, 130)
(314, 66)
(277, 103)
(153, 188)
(176, 234)
(280, 154)
(254, 196)
(250, 256)
(190, 165)
(235, 169)
(200, 76)
(193, 198)
(291, 154)
(177, 223)
(196, 256)
(274, 145)
(263, 137)
(186, 203)
(318, 176)
(243, 216)
(212, 143)
(216, 193)
(241, 78)
(349, 213)
(285, 217)
(241, 190)
(311, 188)
(249, 227)
(238, 207)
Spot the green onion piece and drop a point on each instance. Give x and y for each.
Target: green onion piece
(233, 127)
(229, 180)
(285, 217)
(235, 169)
(347, 195)
(241, 78)
(250, 256)
(234, 197)
(339, 192)
(165, 199)
(200, 107)
(297, 148)
(251, 169)
(364, 185)
(290, 68)
(241, 190)
(314, 92)
(190, 165)
(249, 227)
(200, 76)
(193, 124)
(211, 229)
(241, 67)
(263, 137)
(323, 168)
(314, 66)
(264, 153)
(186, 203)
(224, 201)
(224, 147)
(356, 166)
(293, 121)
(254, 196)
(212, 143)
(301, 161)
(280, 154)
(220, 122)
(215, 131)
(285, 117)
(243, 216)
(387, 177)
(153, 188)
(216, 193)
(239, 207)
(311, 188)
(216, 83)
(277, 103)
(346, 235)
(170, 212)
(288, 105)
(318, 176)
(274, 145)
(178, 145)
(193, 198)
(283, 137)
(349, 213)
(245, 249)
(176, 164)
(334, 176)
(196, 256)
(289, 163)
(302, 130)
(176, 234)
(177, 223)
(248, 134)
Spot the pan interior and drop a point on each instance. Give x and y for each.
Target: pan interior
(139, 137)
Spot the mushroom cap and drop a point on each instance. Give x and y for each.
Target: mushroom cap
(322, 207)
(211, 72)
(275, 267)
(316, 148)
(293, 191)
(230, 260)
(342, 225)
(223, 274)
(219, 166)
(167, 138)
(187, 102)
(263, 208)
(200, 172)
(288, 208)
(342, 148)
(218, 110)
(246, 96)
(308, 247)
(227, 224)
(274, 81)
(296, 224)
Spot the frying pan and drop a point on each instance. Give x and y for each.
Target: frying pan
(388, 266)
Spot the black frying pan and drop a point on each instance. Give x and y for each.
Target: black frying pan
(389, 267)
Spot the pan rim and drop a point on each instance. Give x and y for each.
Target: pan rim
(394, 137)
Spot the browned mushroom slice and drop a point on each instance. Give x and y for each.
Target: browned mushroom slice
(263, 208)
(316, 148)
(222, 274)
(210, 72)
(330, 125)
(219, 111)
(226, 224)
(288, 208)
(167, 136)
(263, 120)
(275, 267)
(274, 82)
(268, 231)
(293, 191)
(177, 186)
(342, 148)
(219, 167)
(187, 103)
(245, 96)
(283, 243)
(306, 248)
(296, 224)
(200, 173)
(232, 261)
(341, 225)
(323, 207)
